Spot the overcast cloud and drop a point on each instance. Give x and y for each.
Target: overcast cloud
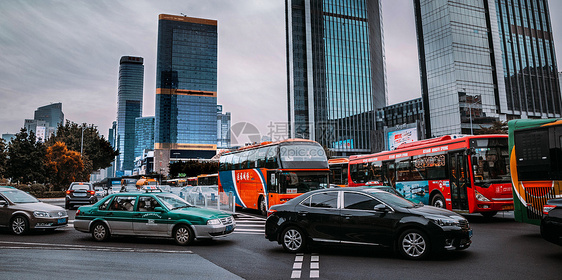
(68, 51)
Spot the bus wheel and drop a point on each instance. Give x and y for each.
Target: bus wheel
(438, 201)
(263, 206)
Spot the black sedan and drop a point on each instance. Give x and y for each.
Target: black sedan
(366, 216)
(551, 223)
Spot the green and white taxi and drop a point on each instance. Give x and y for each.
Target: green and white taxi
(152, 212)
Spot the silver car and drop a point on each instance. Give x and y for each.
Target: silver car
(22, 212)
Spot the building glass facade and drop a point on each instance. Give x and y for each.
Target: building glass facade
(144, 135)
(223, 129)
(483, 61)
(52, 114)
(186, 89)
(336, 71)
(129, 107)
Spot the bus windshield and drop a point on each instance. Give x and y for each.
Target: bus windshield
(301, 182)
(490, 161)
(303, 156)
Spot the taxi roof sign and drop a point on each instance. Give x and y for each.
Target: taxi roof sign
(150, 188)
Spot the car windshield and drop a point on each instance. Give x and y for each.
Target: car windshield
(172, 201)
(392, 199)
(17, 196)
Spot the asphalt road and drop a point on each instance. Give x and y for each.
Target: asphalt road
(501, 249)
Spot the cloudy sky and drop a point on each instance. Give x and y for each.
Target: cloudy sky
(68, 51)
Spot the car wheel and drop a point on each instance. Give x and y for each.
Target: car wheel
(100, 232)
(183, 235)
(19, 225)
(293, 240)
(438, 201)
(489, 214)
(263, 206)
(413, 244)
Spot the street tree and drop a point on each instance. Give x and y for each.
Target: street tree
(498, 127)
(86, 139)
(3, 158)
(26, 158)
(63, 165)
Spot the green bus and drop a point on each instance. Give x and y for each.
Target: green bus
(535, 147)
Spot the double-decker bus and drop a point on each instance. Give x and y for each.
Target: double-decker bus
(338, 171)
(267, 174)
(536, 165)
(468, 174)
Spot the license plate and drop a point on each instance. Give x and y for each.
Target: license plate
(79, 194)
(61, 221)
(470, 233)
(507, 207)
(229, 228)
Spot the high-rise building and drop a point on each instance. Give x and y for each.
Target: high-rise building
(223, 129)
(52, 114)
(485, 61)
(144, 129)
(112, 139)
(186, 90)
(129, 107)
(336, 72)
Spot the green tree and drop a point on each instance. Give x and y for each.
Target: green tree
(496, 128)
(193, 168)
(26, 162)
(94, 147)
(64, 166)
(3, 158)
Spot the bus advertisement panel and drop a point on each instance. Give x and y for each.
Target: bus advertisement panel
(467, 174)
(268, 174)
(535, 148)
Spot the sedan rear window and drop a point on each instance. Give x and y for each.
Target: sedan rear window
(322, 200)
(80, 187)
(359, 201)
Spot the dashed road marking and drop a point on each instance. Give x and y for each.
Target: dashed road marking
(246, 224)
(314, 271)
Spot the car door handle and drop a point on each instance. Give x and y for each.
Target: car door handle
(302, 213)
(347, 216)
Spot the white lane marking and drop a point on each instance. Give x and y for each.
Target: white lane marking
(86, 248)
(248, 230)
(296, 274)
(315, 266)
(297, 265)
(299, 258)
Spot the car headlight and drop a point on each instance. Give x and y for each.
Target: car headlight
(214, 222)
(445, 222)
(41, 214)
(480, 197)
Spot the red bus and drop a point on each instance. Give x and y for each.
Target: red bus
(469, 174)
(268, 174)
(338, 171)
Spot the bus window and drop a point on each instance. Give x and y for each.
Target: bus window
(403, 170)
(271, 158)
(292, 182)
(490, 161)
(236, 161)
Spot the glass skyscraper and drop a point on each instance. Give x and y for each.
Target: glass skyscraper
(336, 71)
(485, 61)
(129, 107)
(144, 135)
(186, 89)
(223, 128)
(52, 114)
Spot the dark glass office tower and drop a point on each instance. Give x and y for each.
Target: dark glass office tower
(186, 89)
(336, 71)
(52, 114)
(144, 127)
(129, 107)
(485, 61)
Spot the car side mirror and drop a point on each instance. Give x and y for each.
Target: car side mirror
(3, 203)
(159, 209)
(381, 208)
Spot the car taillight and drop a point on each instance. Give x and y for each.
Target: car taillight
(271, 211)
(547, 208)
(92, 192)
(69, 191)
(77, 212)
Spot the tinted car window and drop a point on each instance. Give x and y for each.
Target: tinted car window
(359, 201)
(323, 200)
(80, 187)
(392, 199)
(123, 203)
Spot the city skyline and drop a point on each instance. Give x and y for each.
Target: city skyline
(67, 52)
